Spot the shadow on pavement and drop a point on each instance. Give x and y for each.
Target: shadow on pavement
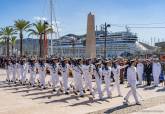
(160, 90)
(65, 100)
(38, 93)
(111, 110)
(15, 88)
(88, 102)
(28, 89)
(46, 96)
(141, 86)
(149, 88)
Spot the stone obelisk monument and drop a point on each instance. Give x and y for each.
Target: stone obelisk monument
(91, 38)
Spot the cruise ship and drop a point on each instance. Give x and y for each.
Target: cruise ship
(124, 43)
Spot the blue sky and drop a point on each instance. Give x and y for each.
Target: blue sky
(72, 14)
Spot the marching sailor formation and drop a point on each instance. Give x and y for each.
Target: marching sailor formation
(82, 76)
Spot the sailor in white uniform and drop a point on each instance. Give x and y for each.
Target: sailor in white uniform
(8, 70)
(32, 71)
(87, 73)
(54, 68)
(42, 73)
(132, 80)
(116, 72)
(64, 69)
(156, 71)
(79, 77)
(23, 70)
(98, 78)
(14, 69)
(74, 83)
(107, 74)
(140, 71)
(18, 77)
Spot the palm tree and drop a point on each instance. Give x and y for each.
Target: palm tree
(40, 29)
(21, 26)
(2, 43)
(7, 33)
(13, 42)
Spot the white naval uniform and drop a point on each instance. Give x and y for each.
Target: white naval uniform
(88, 76)
(98, 78)
(8, 71)
(53, 68)
(14, 69)
(64, 73)
(116, 73)
(18, 71)
(107, 75)
(140, 71)
(79, 79)
(75, 79)
(42, 74)
(23, 71)
(156, 71)
(132, 80)
(32, 70)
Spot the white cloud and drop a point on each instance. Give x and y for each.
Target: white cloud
(38, 18)
(57, 22)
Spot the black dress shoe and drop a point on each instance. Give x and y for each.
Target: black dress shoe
(66, 93)
(138, 103)
(81, 95)
(121, 82)
(54, 90)
(75, 92)
(33, 85)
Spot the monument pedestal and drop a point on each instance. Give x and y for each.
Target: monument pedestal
(91, 38)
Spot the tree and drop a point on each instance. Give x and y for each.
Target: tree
(21, 26)
(13, 42)
(40, 29)
(7, 33)
(2, 44)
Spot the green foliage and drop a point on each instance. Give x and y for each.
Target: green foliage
(21, 25)
(7, 32)
(13, 40)
(2, 42)
(39, 28)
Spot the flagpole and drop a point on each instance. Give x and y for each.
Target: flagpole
(51, 19)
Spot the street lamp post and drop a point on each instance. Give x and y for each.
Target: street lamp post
(105, 41)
